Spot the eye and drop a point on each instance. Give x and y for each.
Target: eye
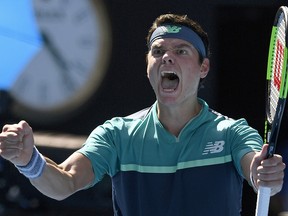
(157, 52)
(181, 51)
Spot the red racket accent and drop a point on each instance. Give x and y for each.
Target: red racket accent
(278, 63)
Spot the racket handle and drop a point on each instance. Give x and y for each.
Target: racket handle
(263, 200)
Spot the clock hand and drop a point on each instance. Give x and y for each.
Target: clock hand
(58, 59)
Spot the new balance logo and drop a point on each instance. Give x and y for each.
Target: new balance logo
(172, 29)
(212, 148)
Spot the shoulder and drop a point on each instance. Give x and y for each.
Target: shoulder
(120, 123)
(226, 123)
(139, 114)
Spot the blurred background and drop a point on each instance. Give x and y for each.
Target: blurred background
(66, 66)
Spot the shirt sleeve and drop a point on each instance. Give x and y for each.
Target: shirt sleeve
(100, 149)
(244, 139)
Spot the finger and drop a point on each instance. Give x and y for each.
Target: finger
(276, 184)
(276, 176)
(9, 127)
(10, 140)
(11, 145)
(10, 154)
(273, 161)
(11, 135)
(22, 129)
(20, 126)
(280, 167)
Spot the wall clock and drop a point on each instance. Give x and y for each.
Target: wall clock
(70, 64)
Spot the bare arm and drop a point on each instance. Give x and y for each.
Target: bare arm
(265, 172)
(245, 164)
(61, 181)
(56, 181)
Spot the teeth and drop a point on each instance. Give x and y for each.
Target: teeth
(165, 73)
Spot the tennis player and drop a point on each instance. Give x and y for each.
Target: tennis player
(176, 158)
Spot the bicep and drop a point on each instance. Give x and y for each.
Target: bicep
(80, 168)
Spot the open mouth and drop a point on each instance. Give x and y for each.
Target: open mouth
(170, 80)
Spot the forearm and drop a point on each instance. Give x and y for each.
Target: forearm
(245, 163)
(54, 182)
(60, 181)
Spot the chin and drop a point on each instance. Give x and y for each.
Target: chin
(167, 101)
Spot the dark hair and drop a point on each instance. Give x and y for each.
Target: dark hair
(180, 20)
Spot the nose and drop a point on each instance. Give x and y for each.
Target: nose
(168, 58)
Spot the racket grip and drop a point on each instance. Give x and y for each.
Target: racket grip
(263, 199)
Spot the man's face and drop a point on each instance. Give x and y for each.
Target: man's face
(174, 70)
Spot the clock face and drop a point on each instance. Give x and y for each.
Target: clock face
(70, 64)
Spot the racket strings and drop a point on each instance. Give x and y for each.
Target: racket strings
(278, 61)
(274, 98)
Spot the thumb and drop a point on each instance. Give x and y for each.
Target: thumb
(263, 153)
(27, 134)
(258, 158)
(26, 129)
(28, 142)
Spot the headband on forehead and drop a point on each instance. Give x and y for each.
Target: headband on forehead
(180, 32)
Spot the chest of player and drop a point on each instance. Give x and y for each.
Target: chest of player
(194, 145)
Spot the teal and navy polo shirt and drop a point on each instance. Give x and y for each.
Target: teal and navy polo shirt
(155, 173)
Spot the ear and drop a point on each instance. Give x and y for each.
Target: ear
(205, 67)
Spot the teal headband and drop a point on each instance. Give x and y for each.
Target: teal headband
(180, 32)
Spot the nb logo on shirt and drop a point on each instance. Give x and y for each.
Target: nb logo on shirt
(213, 148)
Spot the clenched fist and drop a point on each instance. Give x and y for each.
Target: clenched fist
(16, 143)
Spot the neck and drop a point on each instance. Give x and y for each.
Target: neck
(174, 119)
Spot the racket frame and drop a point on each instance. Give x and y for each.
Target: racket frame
(272, 126)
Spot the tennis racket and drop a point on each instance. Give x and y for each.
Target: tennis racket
(275, 96)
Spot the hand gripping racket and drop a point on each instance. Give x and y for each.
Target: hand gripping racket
(276, 95)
